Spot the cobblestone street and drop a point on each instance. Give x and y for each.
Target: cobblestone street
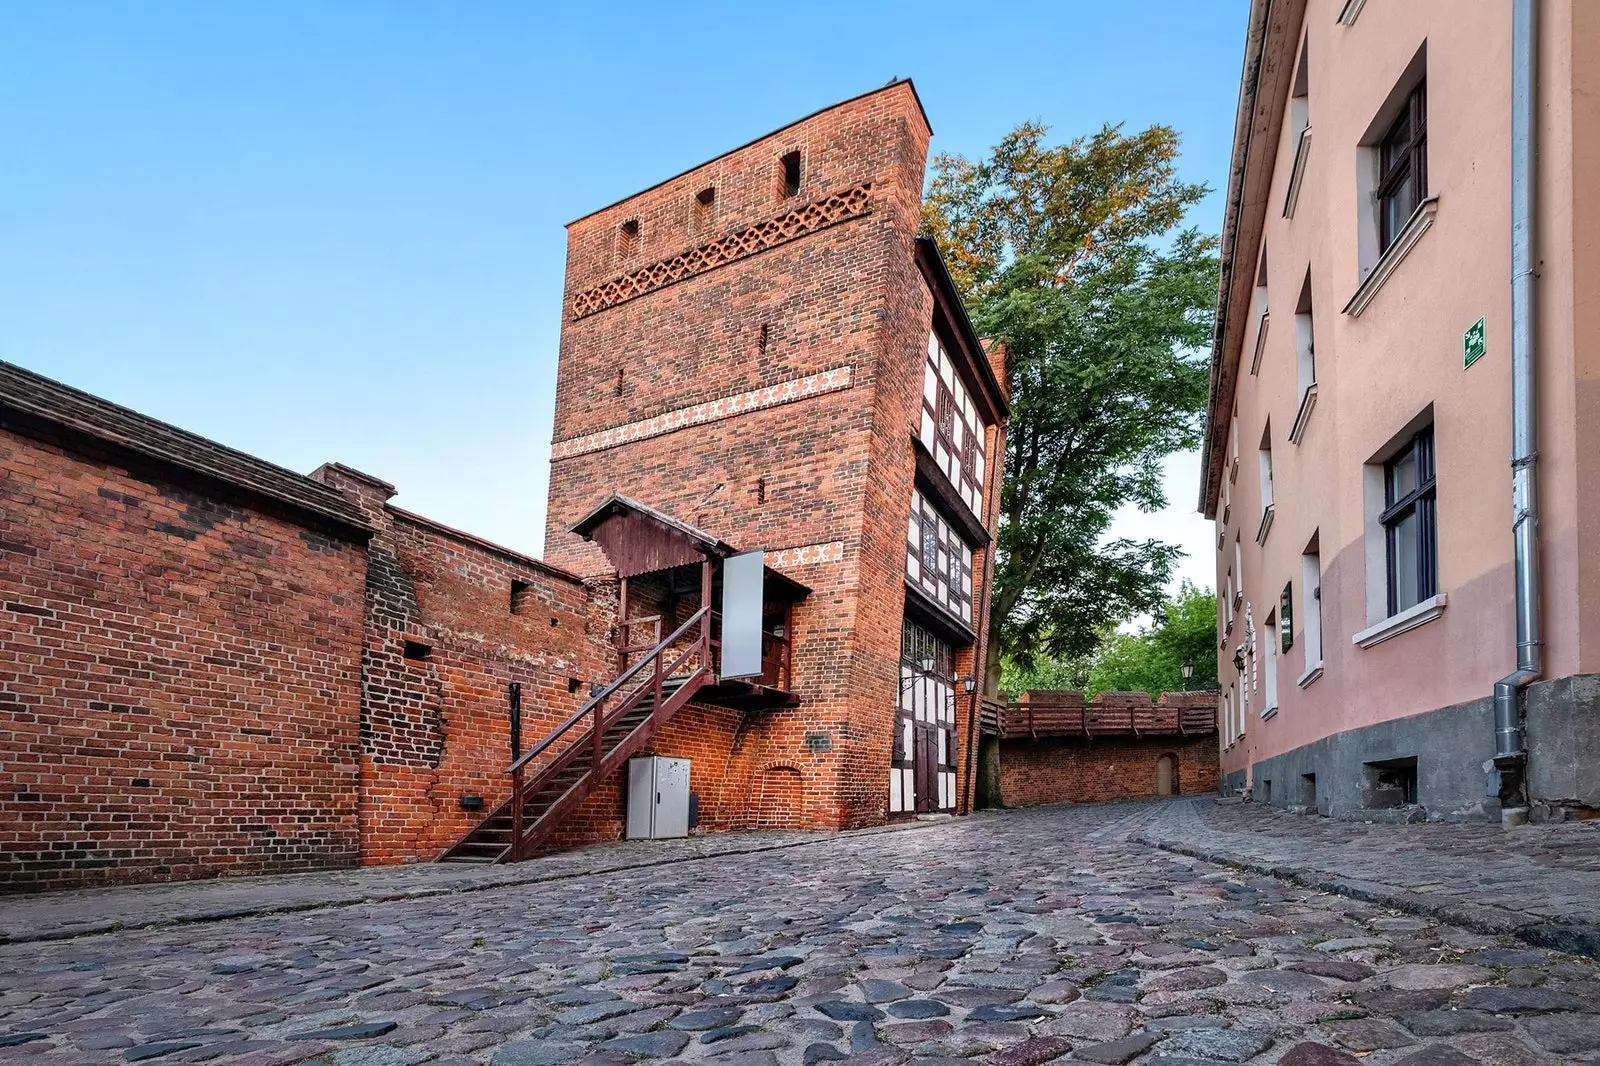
(1015, 938)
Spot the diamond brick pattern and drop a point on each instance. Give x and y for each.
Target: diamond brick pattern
(773, 395)
(840, 207)
(805, 555)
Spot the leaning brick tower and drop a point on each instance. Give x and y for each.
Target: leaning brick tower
(743, 349)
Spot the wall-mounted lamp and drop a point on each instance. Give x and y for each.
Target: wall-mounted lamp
(1187, 669)
(969, 684)
(472, 803)
(1238, 659)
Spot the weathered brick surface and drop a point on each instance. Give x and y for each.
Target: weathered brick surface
(179, 678)
(832, 467)
(1099, 769)
(195, 686)
(436, 727)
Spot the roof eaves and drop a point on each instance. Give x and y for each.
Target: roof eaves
(944, 286)
(39, 400)
(1266, 17)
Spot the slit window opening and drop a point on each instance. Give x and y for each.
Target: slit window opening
(789, 177)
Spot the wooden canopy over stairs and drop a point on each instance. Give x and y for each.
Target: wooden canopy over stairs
(655, 680)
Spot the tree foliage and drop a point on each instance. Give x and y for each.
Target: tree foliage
(1147, 661)
(1072, 256)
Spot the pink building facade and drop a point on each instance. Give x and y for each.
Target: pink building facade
(1357, 459)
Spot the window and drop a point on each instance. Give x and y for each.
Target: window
(1286, 617)
(938, 561)
(1264, 467)
(1311, 609)
(951, 429)
(1390, 783)
(628, 238)
(1270, 663)
(1299, 129)
(1410, 536)
(416, 650)
(1263, 318)
(705, 206)
(1403, 167)
(1227, 499)
(1305, 345)
(789, 174)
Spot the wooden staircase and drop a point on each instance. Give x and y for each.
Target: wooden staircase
(621, 720)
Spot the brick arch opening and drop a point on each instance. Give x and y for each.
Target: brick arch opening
(1167, 783)
(777, 800)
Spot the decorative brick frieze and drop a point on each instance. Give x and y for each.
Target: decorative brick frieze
(805, 555)
(773, 395)
(830, 210)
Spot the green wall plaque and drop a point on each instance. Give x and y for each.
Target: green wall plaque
(1472, 344)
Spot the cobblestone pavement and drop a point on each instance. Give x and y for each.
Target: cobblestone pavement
(1541, 883)
(79, 912)
(1015, 939)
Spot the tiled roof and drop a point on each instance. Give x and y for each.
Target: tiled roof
(29, 401)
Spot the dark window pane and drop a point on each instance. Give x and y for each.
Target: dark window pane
(1405, 553)
(1402, 475)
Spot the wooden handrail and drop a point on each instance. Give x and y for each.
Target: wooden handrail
(600, 697)
(594, 709)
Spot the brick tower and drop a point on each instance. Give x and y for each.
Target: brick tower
(761, 351)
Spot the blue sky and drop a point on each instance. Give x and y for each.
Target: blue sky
(323, 231)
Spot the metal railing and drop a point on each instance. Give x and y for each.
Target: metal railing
(600, 719)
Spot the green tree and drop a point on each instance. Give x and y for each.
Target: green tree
(1150, 660)
(1072, 256)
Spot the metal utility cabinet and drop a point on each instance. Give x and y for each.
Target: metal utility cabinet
(658, 797)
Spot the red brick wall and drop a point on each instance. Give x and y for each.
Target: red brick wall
(179, 679)
(1067, 770)
(830, 468)
(436, 729)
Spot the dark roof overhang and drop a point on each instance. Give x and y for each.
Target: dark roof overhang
(944, 624)
(1271, 39)
(43, 409)
(935, 484)
(950, 318)
(667, 542)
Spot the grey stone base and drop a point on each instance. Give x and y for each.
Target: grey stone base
(1452, 748)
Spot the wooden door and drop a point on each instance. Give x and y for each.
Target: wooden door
(1166, 775)
(927, 767)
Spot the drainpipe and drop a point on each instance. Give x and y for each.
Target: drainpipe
(1509, 755)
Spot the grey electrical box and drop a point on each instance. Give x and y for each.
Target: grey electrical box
(658, 797)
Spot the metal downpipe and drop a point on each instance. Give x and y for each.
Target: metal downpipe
(1509, 742)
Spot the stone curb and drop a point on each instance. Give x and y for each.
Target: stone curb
(382, 895)
(1577, 938)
